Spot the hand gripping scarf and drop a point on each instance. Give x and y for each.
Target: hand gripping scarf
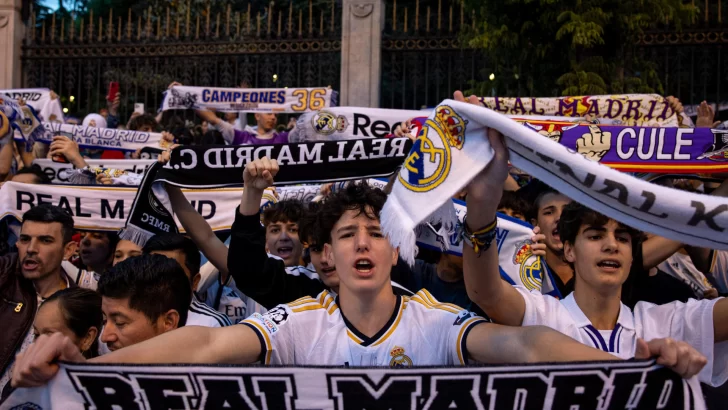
(452, 148)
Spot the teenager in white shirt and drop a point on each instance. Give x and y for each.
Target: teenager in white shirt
(600, 250)
(366, 325)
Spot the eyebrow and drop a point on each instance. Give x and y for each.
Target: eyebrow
(595, 228)
(118, 315)
(346, 228)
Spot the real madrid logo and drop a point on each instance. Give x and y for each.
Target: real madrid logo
(530, 266)
(324, 122)
(399, 359)
(428, 163)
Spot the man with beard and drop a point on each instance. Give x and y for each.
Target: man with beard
(30, 276)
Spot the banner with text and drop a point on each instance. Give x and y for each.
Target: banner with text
(642, 149)
(265, 100)
(47, 107)
(103, 138)
(58, 172)
(631, 109)
(603, 385)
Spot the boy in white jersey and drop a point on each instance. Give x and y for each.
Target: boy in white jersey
(366, 325)
(600, 250)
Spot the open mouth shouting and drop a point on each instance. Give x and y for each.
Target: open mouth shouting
(364, 266)
(285, 252)
(609, 265)
(555, 234)
(30, 264)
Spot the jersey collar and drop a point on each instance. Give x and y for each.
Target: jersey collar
(382, 334)
(625, 319)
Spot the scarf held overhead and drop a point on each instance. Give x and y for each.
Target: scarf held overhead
(453, 148)
(103, 138)
(631, 109)
(59, 172)
(47, 107)
(634, 384)
(21, 118)
(263, 100)
(213, 166)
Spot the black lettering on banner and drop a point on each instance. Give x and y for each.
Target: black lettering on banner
(358, 392)
(45, 199)
(458, 389)
(622, 192)
(78, 210)
(517, 391)
(63, 203)
(624, 383)
(104, 391)
(380, 129)
(106, 209)
(24, 198)
(566, 170)
(577, 391)
(361, 127)
(200, 206)
(648, 204)
(701, 215)
(232, 392)
(170, 392)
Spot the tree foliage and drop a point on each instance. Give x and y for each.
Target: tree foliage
(569, 47)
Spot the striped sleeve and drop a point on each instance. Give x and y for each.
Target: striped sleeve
(275, 332)
(202, 309)
(464, 323)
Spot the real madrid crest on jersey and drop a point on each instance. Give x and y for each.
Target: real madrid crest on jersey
(399, 359)
(428, 163)
(326, 123)
(530, 265)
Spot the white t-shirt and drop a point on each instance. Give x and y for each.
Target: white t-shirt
(420, 332)
(680, 266)
(691, 322)
(199, 314)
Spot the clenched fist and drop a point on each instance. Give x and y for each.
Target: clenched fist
(595, 144)
(259, 174)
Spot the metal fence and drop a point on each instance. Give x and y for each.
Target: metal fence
(271, 47)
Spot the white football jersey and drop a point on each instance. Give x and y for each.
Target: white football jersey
(691, 322)
(199, 314)
(308, 331)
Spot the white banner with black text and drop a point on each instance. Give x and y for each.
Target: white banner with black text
(47, 107)
(263, 100)
(603, 385)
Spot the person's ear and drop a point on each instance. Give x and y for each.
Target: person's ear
(170, 321)
(569, 254)
(395, 256)
(328, 255)
(196, 281)
(88, 340)
(69, 249)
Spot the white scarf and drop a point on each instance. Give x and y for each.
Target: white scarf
(48, 109)
(453, 148)
(60, 173)
(270, 100)
(549, 386)
(21, 118)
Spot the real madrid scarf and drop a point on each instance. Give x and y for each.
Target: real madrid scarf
(103, 138)
(272, 100)
(452, 148)
(603, 385)
(213, 166)
(21, 118)
(630, 109)
(48, 108)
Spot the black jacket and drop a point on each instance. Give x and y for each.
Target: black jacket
(266, 279)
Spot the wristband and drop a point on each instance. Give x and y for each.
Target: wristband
(481, 239)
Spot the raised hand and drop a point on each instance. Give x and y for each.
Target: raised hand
(594, 144)
(259, 174)
(706, 115)
(65, 146)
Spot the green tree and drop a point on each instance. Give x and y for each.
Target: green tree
(569, 47)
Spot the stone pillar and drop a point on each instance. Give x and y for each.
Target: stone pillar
(12, 31)
(361, 50)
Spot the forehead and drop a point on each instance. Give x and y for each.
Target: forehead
(128, 246)
(111, 306)
(356, 217)
(34, 228)
(610, 226)
(553, 199)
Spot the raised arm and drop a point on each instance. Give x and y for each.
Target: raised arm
(202, 345)
(720, 320)
(199, 231)
(483, 282)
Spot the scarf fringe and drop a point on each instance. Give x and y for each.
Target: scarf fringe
(135, 234)
(398, 227)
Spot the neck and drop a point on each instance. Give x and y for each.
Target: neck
(368, 312)
(448, 274)
(49, 284)
(264, 133)
(558, 266)
(600, 307)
